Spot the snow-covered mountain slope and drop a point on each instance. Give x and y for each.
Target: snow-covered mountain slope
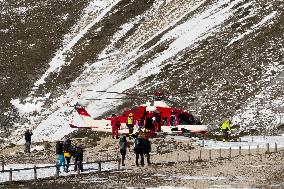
(203, 48)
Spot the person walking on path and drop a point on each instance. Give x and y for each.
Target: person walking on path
(138, 149)
(147, 148)
(28, 141)
(123, 145)
(67, 152)
(60, 156)
(115, 124)
(78, 155)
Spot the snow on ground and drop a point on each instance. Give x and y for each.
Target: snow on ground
(255, 27)
(245, 142)
(100, 75)
(47, 172)
(113, 81)
(59, 60)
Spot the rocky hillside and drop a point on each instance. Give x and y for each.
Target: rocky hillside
(228, 54)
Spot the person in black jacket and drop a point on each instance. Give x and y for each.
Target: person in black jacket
(67, 151)
(60, 156)
(147, 149)
(138, 149)
(123, 145)
(78, 155)
(28, 139)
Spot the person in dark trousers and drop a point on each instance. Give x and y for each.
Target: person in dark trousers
(225, 128)
(67, 150)
(28, 139)
(130, 125)
(138, 149)
(60, 156)
(115, 124)
(147, 149)
(123, 145)
(78, 155)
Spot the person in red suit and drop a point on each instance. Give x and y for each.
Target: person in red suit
(115, 124)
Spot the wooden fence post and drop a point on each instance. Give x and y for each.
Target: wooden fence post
(99, 166)
(230, 153)
(200, 158)
(210, 157)
(167, 157)
(202, 144)
(220, 153)
(107, 157)
(118, 164)
(275, 147)
(188, 156)
(10, 175)
(78, 167)
(257, 149)
(56, 170)
(3, 165)
(35, 173)
(249, 151)
(240, 150)
(267, 147)
(177, 155)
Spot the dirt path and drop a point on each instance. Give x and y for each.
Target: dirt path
(255, 171)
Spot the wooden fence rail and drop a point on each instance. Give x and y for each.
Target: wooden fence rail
(36, 168)
(202, 154)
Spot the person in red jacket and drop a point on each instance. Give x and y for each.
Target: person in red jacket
(115, 124)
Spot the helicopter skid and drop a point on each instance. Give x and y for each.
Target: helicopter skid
(202, 129)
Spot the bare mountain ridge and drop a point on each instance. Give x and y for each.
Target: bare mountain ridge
(207, 49)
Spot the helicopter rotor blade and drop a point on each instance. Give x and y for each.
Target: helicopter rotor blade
(112, 98)
(123, 93)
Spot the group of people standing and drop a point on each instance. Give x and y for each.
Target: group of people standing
(64, 151)
(115, 125)
(142, 147)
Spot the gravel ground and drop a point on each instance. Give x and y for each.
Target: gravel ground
(171, 168)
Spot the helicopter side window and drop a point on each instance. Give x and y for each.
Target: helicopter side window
(184, 119)
(165, 121)
(173, 120)
(149, 123)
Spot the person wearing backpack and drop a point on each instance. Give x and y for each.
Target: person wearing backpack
(78, 155)
(123, 145)
(138, 149)
(60, 156)
(147, 149)
(67, 152)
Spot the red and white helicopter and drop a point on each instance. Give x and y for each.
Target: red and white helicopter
(155, 116)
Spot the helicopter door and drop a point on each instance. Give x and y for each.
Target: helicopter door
(149, 123)
(158, 123)
(184, 119)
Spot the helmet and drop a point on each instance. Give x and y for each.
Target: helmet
(131, 114)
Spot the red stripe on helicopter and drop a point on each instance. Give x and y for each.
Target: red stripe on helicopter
(83, 112)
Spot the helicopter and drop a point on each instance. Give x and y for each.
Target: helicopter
(155, 116)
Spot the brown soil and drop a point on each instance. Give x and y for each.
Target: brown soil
(259, 170)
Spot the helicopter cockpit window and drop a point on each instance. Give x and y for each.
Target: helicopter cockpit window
(184, 119)
(173, 120)
(165, 121)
